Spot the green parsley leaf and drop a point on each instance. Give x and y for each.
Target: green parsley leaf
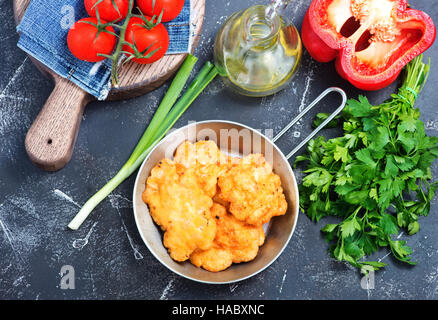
(364, 177)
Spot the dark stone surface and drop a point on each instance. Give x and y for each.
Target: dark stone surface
(34, 210)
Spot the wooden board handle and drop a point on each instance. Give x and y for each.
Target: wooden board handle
(51, 138)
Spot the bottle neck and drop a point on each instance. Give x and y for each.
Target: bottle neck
(259, 29)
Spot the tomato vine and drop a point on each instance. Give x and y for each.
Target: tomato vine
(122, 44)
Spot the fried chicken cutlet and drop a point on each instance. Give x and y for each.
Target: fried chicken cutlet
(235, 242)
(212, 207)
(253, 191)
(207, 160)
(181, 208)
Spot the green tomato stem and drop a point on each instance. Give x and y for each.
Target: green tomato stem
(118, 52)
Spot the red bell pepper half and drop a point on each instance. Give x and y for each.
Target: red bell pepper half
(371, 40)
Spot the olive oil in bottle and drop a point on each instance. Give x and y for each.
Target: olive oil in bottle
(257, 52)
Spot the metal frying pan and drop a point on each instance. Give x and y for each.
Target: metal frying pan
(280, 229)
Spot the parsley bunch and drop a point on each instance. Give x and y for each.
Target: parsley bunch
(376, 177)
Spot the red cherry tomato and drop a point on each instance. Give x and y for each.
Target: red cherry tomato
(157, 38)
(171, 8)
(106, 8)
(84, 44)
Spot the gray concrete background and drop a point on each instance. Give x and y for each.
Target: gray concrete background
(35, 206)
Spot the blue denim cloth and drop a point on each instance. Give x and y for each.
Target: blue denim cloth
(44, 30)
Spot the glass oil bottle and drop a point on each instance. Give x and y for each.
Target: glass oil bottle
(257, 51)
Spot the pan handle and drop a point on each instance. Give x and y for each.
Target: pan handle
(322, 126)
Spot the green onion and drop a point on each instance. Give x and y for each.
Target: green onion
(162, 122)
(205, 76)
(163, 109)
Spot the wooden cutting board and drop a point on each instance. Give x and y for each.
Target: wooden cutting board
(51, 138)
